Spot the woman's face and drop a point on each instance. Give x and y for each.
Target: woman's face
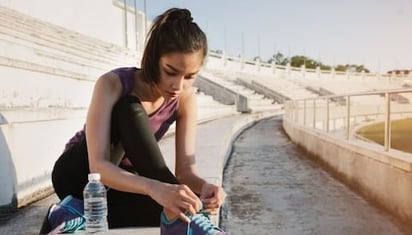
(178, 72)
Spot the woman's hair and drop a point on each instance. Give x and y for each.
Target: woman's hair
(173, 31)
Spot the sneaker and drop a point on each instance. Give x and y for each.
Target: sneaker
(67, 216)
(200, 224)
(45, 227)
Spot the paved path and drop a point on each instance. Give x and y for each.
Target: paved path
(274, 189)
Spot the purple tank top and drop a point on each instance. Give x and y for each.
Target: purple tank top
(160, 121)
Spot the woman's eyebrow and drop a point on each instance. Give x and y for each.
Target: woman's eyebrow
(178, 71)
(172, 68)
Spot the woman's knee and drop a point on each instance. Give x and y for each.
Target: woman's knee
(126, 114)
(126, 104)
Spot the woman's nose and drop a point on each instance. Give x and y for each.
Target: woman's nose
(178, 84)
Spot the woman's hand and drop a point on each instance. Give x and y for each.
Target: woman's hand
(212, 197)
(176, 198)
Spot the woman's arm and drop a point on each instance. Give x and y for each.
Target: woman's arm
(106, 93)
(186, 171)
(211, 195)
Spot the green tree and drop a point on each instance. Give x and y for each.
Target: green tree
(352, 68)
(299, 60)
(360, 68)
(325, 67)
(279, 59)
(256, 58)
(340, 68)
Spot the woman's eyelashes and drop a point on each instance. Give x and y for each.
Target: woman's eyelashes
(173, 74)
(190, 77)
(170, 73)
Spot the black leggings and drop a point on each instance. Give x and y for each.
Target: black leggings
(130, 128)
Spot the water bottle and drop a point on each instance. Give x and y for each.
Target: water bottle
(95, 205)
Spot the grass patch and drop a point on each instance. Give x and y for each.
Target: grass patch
(401, 136)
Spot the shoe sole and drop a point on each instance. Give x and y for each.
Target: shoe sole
(45, 227)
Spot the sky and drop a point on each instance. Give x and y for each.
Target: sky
(374, 33)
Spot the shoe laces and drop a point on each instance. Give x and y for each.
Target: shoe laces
(73, 225)
(202, 220)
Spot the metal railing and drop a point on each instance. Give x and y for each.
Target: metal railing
(335, 114)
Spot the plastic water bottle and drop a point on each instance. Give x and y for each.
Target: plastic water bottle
(95, 205)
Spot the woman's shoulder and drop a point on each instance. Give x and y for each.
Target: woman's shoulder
(125, 70)
(188, 94)
(125, 73)
(187, 100)
(126, 76)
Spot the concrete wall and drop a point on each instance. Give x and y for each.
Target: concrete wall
(264, 90)
(22, 88)
(221, 93)
(383, 177)
(28, 150)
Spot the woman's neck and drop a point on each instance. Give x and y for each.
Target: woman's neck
(146, 92)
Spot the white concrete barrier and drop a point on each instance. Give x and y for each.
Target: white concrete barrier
(28, 149)
(383, 177)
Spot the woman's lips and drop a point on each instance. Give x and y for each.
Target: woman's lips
(173, 94)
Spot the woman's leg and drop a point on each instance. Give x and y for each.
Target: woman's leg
(131, 127)
(130, 209)
(69, 175)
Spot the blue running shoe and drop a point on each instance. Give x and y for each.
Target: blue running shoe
(200, 224)
(67, 216)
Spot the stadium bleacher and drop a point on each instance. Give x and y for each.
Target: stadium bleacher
(47, 76)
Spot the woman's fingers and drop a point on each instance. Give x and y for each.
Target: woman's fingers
(212, 211)
(187, 208)
(184, 217)
(210, 201)
(178, 199)
(178, 213)
(188, 196)
(213, 197)
(183, 202)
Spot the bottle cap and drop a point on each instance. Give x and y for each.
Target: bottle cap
(94, 176)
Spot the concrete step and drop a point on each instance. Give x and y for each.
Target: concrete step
(35, 26)
(32, 31)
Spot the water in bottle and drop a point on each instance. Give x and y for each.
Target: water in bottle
(95, 205)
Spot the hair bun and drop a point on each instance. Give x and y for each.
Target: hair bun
(176, 14)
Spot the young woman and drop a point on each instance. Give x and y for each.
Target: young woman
(131, 109)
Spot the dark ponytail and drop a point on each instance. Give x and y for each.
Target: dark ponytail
(173, 31)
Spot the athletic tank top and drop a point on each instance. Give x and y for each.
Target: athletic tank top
(160, 120)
